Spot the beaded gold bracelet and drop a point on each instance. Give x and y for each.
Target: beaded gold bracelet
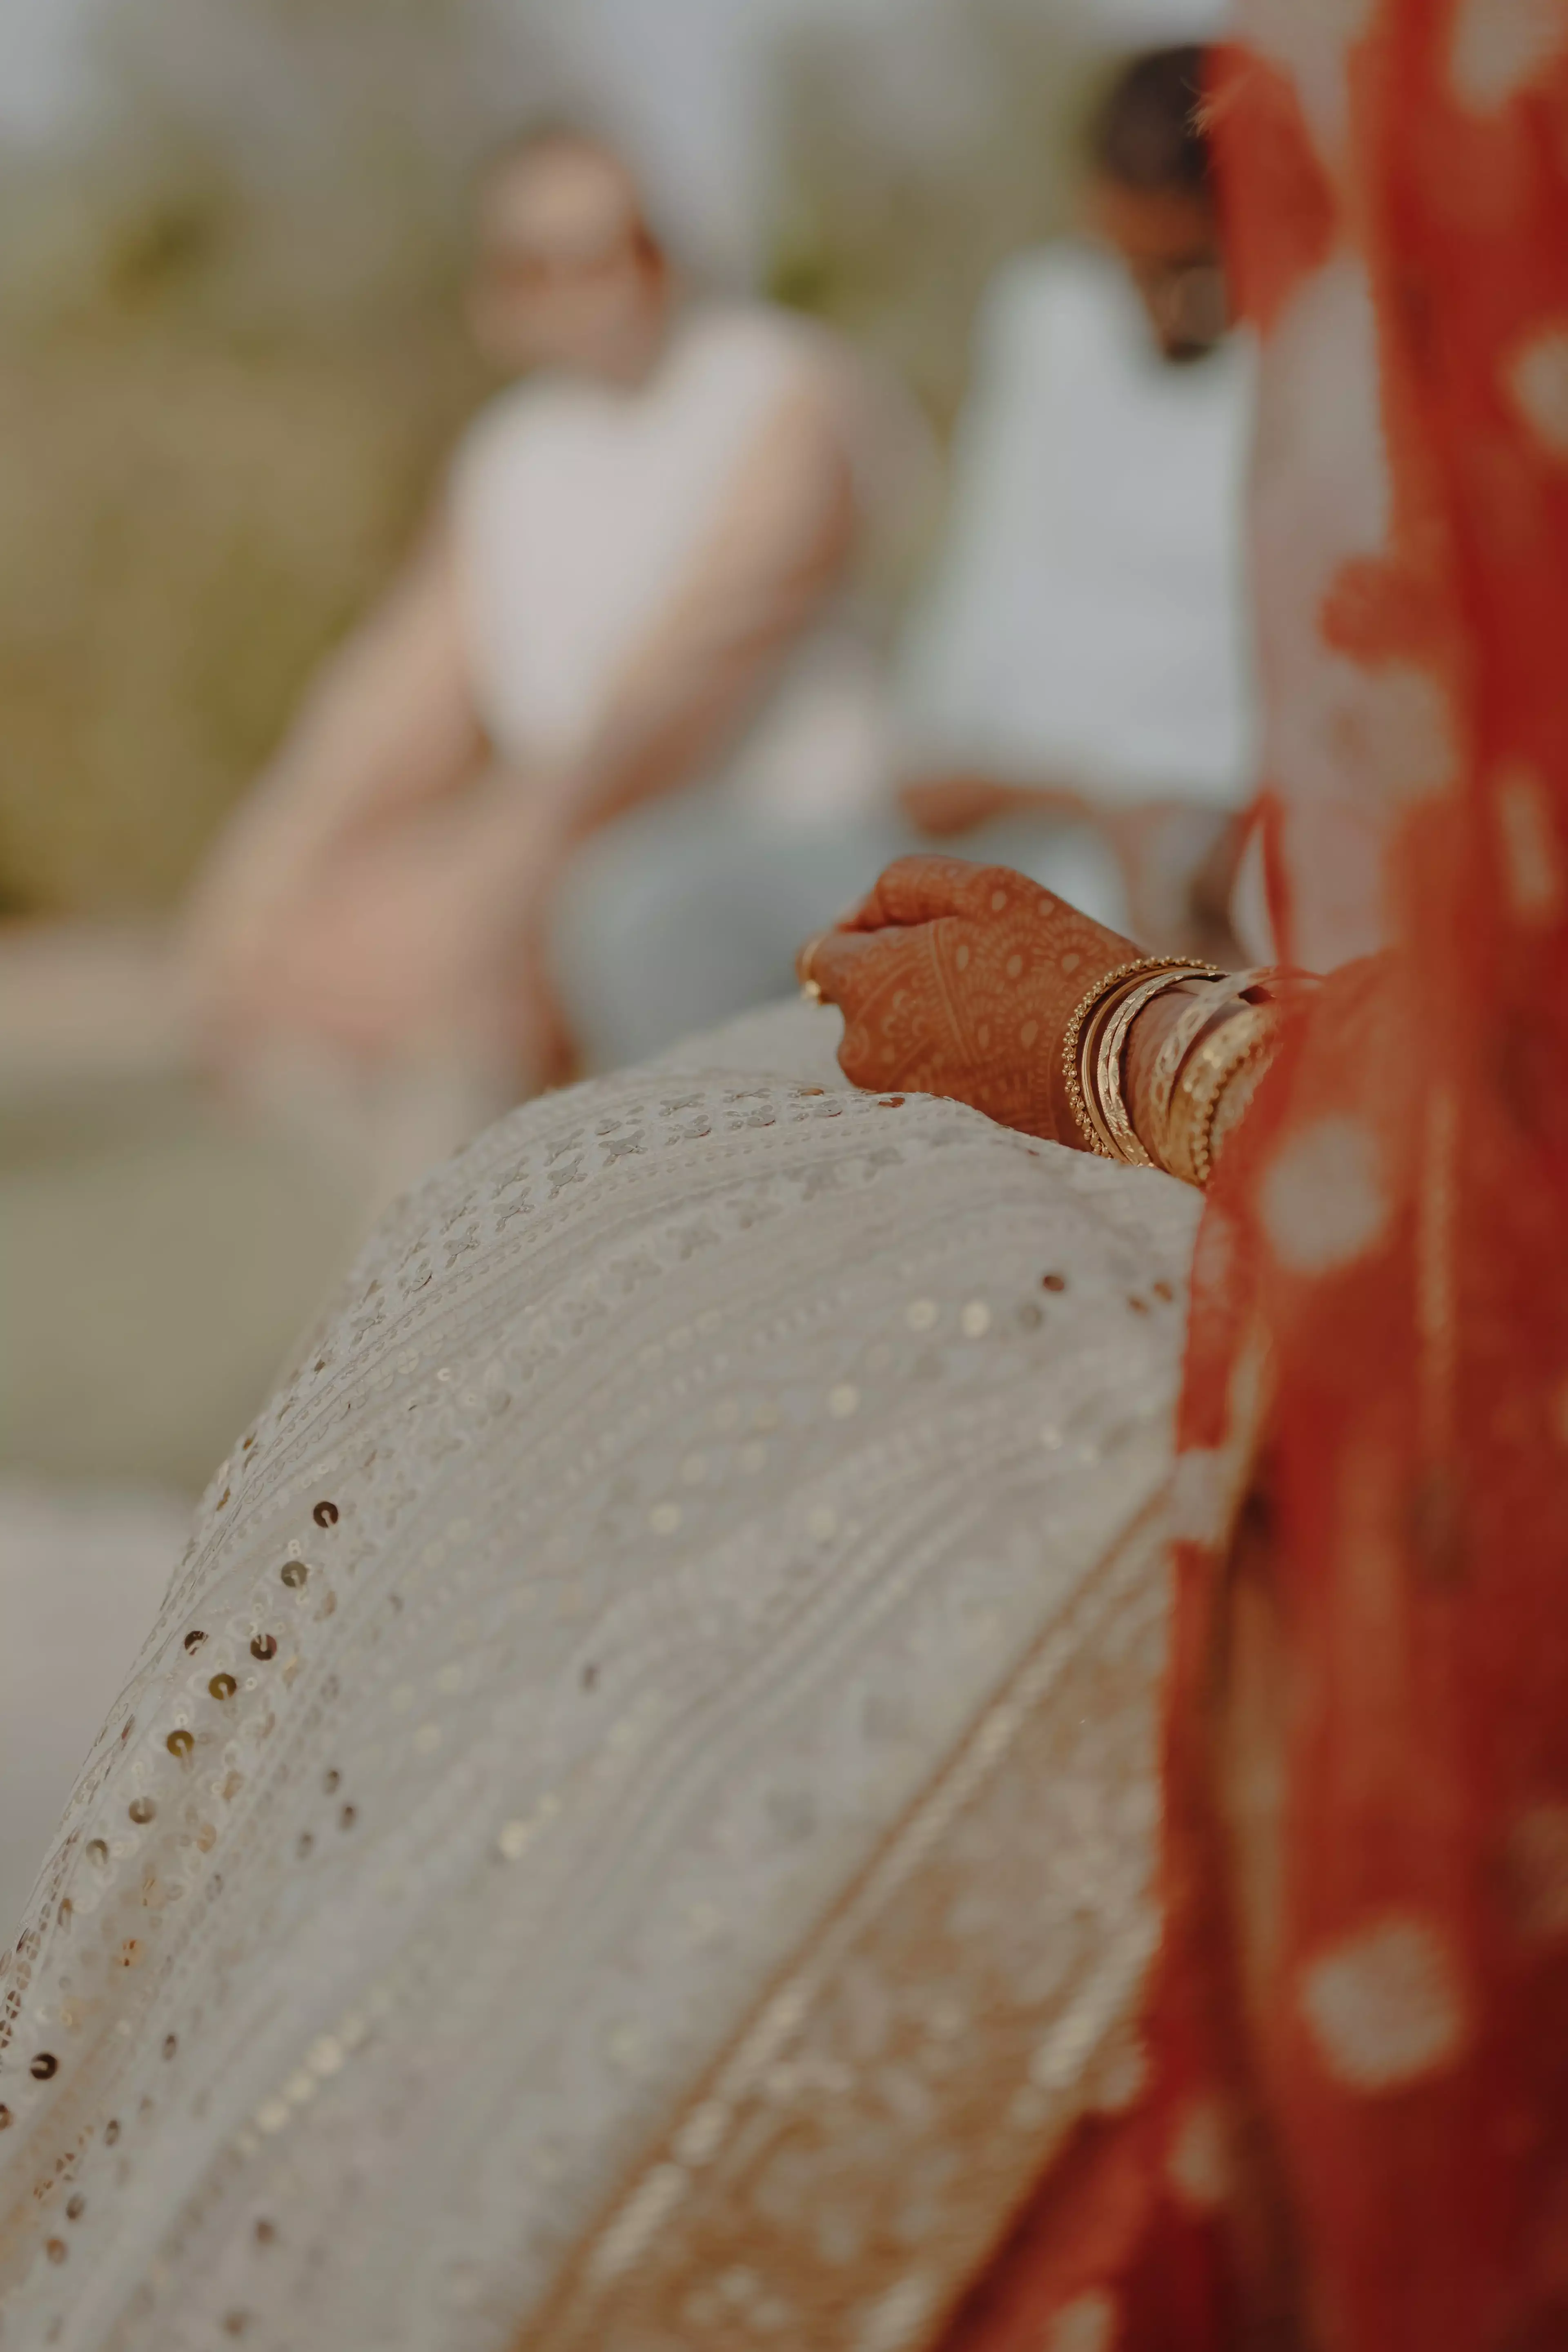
(1082, 1010)
(1097, 1003)
(1088, 1058)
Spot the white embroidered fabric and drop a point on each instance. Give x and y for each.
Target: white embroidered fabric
(683, 1466)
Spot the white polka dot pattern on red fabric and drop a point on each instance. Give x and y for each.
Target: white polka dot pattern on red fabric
(1383, 735)
(1198, 2165)
(1538, 381)
(1499, 45)
(1323, 1200)
(1537, 1865)
(1533, 858)
(1309, 43)
(1385, 2006)
(1086, 2324)
(1203, 1494)
(1406, 732)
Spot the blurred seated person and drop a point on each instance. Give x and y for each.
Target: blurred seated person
(641, 586)
(1075, 700)
(1083, 652)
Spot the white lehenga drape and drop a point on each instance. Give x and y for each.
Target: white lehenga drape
(708, 1489)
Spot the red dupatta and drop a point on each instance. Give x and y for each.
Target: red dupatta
(1355, 2134)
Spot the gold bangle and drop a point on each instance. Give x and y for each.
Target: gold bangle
(1110, 1047)
(1084, 1006)
(1251, 1064)
(1235, 1100)
(1189, 1027)
(1089, 1059)
(1184, 1147)
(1184, 1143)
(1090, 1003)
(1263, 975)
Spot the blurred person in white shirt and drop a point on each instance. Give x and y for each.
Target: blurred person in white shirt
(642, 610)
(1083, 650)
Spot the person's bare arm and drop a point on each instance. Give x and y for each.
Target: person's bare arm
(389, 724)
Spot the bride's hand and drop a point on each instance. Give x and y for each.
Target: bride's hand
(960, 980)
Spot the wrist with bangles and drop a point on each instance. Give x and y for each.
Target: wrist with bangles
(1219, 1045)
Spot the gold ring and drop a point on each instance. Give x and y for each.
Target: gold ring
(810, 986)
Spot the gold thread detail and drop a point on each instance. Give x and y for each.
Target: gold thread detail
(749, 2171)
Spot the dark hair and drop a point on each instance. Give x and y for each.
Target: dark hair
(1149, 134)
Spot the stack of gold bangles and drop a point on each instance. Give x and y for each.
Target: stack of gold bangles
(1226, 1035)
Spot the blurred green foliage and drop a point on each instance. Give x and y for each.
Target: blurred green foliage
(910, 173)
(232, 355)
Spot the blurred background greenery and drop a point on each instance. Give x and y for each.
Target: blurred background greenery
(232, 359)
(232, 354)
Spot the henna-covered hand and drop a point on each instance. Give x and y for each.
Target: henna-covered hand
(960, 980)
